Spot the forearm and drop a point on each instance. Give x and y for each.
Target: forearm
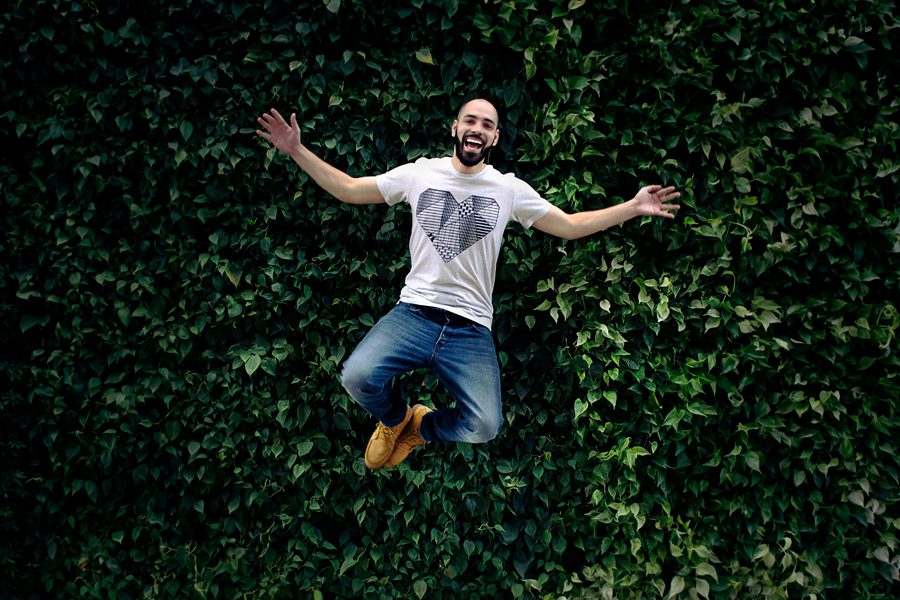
(342, 186)
(592, 221)
(573, 226)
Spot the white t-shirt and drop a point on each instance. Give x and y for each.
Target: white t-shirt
(457, 231)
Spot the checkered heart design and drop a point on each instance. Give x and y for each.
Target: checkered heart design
(454, 226)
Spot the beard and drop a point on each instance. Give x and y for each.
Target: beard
(470, 158)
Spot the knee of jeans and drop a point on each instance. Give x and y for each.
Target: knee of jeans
(484, 429)
(353, 378)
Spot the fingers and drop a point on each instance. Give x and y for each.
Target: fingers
(274, 119)
(661, 193)
(267, 122)
(279, 118)
(271, 122)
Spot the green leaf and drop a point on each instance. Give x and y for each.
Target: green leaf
(752, 460)
(420, 587)
(734, 35)
(856, 45)
(234, 273)
(662, 309)
(252, 364)
(234, 504)
(187, 129)
(173, 428)
(304, 448)
(740, 162)
(91, 489)
(676, 586)
(29, 321)
(424, 55)
(332, 5)
(887, 168)
(706, 569)
(632, 454)
(349, 561)
(580, 407)
(611, 397)
(673, 418)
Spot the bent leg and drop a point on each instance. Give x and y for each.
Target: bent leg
(400, 342)
(466, 363)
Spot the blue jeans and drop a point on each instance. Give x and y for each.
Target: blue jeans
(460, 352)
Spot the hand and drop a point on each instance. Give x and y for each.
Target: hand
(283, 136)
(651, 200)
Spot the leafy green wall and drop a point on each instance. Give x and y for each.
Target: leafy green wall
(704, 407)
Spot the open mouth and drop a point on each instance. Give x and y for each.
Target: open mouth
(473, 143)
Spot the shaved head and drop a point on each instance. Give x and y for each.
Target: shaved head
(479, 106)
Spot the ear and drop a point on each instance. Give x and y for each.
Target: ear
(496, 137)
(453, 128)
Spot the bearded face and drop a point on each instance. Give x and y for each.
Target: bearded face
(471, 148)
(474, 132)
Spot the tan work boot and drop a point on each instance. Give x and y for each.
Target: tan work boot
(409, 439)
(382, 442)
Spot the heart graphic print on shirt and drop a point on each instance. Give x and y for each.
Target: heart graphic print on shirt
(454, 226)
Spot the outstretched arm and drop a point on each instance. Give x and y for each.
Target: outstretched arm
(651, 200)
(286, 137)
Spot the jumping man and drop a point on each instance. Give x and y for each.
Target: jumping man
(460, 206)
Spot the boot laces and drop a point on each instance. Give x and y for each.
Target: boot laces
(384, 432)
(413, 439)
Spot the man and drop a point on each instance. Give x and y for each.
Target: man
(461, 207)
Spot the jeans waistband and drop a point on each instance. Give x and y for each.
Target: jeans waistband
(441, 316)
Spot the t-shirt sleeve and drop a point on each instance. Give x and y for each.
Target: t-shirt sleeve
(395, 184)
(528, 205)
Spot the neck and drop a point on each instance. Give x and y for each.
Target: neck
(457, 164)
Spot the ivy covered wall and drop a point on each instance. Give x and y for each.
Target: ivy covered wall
(705, 407)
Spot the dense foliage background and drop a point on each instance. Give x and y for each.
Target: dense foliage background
(704, 407)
